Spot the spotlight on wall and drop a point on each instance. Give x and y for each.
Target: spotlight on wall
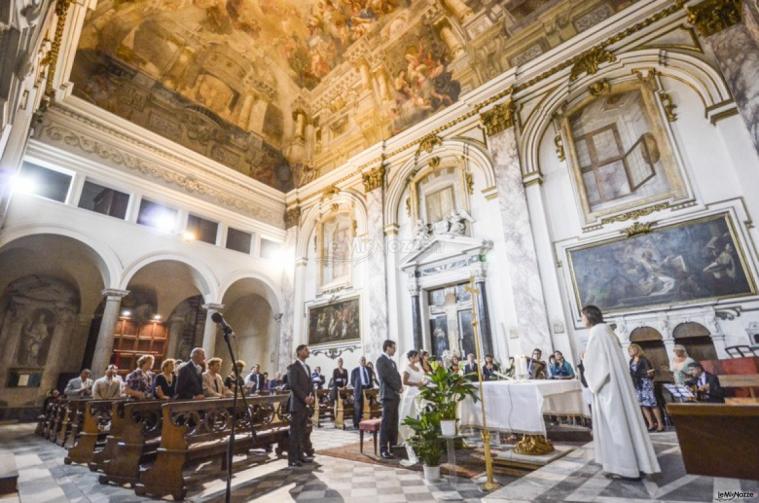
(189, 236)
(164, 221)
(126, 313)
(157, 317)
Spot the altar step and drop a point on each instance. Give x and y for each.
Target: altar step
(569, 433)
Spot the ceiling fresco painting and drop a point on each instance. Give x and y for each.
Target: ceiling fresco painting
(285, 90)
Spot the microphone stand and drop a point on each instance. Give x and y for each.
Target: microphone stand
(227, 331)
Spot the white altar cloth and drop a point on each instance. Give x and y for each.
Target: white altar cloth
(519, 406)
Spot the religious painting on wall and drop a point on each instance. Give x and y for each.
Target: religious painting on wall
(619, 152)
(686, 262)
(336, 238)
(439, 334)
(335, 322)
(439, 204)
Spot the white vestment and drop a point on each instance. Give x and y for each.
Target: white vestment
(621, 441)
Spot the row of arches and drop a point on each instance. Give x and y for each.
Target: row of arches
(695, 337)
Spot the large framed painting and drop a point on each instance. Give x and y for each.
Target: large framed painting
(336, 322)
(681, 263)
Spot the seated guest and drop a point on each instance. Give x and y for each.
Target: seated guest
(109, 386)
(266, 381)
(165, 382)
(489, 369)
(551, 363)
(339, 378)
(375, 383)
(79, 387)
(454, 366)
(470, 368)
(275, 384)
(561, 369)
(255, 380)
(139, 382)
(189, 378)
(680, 363)
(213, 385)
(705, 386)
(229, 382)
(52, 396)
(317, 379)
(425, 362)
(510, 369)
(536, 367)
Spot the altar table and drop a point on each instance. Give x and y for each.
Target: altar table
(519, 406)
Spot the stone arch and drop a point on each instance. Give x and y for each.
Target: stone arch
(697, 340)
(204, 279)
(479, 159)
(314, 213)
(699, 75)
(652, 343)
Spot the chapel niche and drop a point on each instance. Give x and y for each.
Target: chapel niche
(438, 198)
(334, 244)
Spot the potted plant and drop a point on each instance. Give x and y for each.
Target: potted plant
(426, 441)
(445, 390)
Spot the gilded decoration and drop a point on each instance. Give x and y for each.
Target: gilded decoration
(51, 58)
(533, 445)
(292, 217)
(669, 106)
(434, 162)
(469, 181)
(590, 62)
(638, 213)
(712, 16)
(428, 143)
(600, 88)
(499, 118)
(638, 228)
(558, 144)
(374, 179)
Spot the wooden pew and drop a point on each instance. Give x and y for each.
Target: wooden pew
(740, 381)
(45, 419)
(71, 422)
(136, 440)
(95, 426)
(324, 409)
(343, 406)
(718, 440)
(372, 406)
(199, 430)
(57, 419)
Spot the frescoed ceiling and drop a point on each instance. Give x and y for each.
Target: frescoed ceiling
(283, 90)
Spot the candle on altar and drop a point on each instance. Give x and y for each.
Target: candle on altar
(520, 369)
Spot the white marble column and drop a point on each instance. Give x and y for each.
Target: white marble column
(210, 329)
(284, 351)
(104, 346)
(520, 260)
(300, 328)
(376, 277)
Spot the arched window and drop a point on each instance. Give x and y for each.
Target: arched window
(697, 340)
(650, 340)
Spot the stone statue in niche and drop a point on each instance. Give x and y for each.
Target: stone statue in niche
(35, 338)
(422, 234)
(457, 222)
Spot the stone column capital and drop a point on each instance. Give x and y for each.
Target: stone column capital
(212, 307)
(114, 293)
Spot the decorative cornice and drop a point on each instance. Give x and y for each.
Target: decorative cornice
(434, 162)
(115, 293)
(590, 61)
(639, 228)
(637, 213)
(292, 217)
(428, 143)
(499, 118)
(600, 88)
(712, 16)
(374, 179)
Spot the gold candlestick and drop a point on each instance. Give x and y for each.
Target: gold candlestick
(490, 483)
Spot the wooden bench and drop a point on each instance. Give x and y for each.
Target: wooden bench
(56, 419)
(324, 408)
(71, 422)
(45, 418)
(199, 430)
(372, 407)
(136, 438)
(343, 406)
(718, 440)
(740, 381)
(96, 424)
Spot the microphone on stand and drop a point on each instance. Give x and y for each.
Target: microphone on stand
(219, 320)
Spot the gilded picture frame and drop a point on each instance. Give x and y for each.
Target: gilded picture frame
(335, 322)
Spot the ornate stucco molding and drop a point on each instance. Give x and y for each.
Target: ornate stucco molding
(589, 62)
(639, 228)
(428, 143)
(637, 213)
(712, 16)
(51, 59)
(292, 217)
(373, 179)
(499, 118)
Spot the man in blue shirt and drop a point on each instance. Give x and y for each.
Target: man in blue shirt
(562, 369)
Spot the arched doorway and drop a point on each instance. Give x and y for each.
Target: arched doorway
(50, 286)
(697, 340)
(650, 340)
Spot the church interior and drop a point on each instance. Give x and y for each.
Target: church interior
(189, 183)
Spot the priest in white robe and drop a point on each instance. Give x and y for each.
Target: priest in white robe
(621, 441)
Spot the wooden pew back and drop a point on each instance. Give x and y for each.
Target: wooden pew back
(96, 424)
(718, 440)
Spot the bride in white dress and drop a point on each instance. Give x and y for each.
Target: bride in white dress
(413, 377)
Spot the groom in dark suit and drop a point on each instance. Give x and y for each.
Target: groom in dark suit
(390, 394)
(301, 399)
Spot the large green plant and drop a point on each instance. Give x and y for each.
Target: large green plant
(446, 389)
(426, 440)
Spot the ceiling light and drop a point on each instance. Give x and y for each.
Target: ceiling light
(157, 317)
(163, 221)
(126, 313)
(189, 236)
(24, 184)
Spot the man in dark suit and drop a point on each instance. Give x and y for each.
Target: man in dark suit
(301, 399)
(362, 378)
(189, 378)
(255, 380)
(708, 388)
(470, 368)
(390, 394)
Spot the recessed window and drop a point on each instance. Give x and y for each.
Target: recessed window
(104, 200)
(33, 179)
(156, 215)
(201, 229)
(269, 249)
(238, 240)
